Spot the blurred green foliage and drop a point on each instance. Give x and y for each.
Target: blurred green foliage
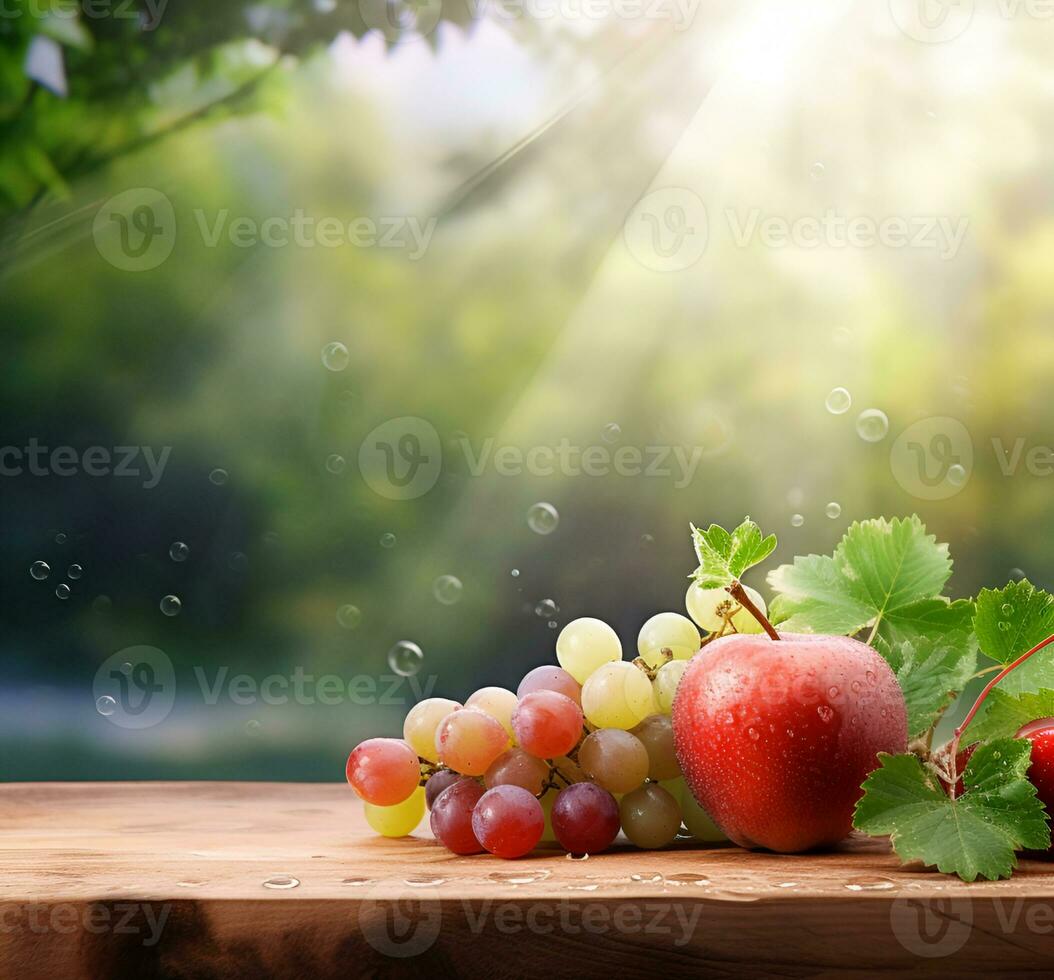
(526, 321)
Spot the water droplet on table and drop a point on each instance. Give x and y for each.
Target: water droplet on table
(179, 551)
(63, 591)
(106, 705)
(40, 570)
(281, 881)
(335, 463)
(218, 477)
(877, 883)
(833, 510)
(612, 432)
(388, 540)
(74, 572)
(687, 878)
(519, 877)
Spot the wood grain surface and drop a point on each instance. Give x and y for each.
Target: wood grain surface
(209, 880)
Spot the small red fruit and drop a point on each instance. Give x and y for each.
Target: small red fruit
(775, 738)
(1041, 770)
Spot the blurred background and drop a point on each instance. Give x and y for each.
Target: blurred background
(332, 326)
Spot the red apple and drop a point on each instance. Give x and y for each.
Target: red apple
(776, 737)
(1041, 769)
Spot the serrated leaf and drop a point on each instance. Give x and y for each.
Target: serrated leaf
(886, 575)
(973, 835)
(1004, 714)
(724, 557)
(931, 671)
(1008, 622)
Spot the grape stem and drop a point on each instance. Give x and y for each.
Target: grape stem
(737, 592)
(954, 747)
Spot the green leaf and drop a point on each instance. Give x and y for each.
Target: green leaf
(932, 671)
(1009, 622)
(724, 557)
(886, 575)
(1005, 713)
(973, 835)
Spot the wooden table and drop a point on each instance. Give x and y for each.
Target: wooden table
(202, 880)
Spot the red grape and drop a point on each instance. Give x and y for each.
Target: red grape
(508, 821)
(547, 724)
(438, 782)
(383, 771)
(585, 818)
(451, 818)
(469, 740)
(550, 678)
(518, 768)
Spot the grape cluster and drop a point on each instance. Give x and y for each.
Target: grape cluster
(579, 752)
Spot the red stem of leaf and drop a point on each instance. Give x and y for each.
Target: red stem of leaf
(738, 593)
(980, 700)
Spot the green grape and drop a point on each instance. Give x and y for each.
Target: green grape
(496, 702)
(615, 760)
(667, 677)
(656, 735)
(584, 645)
(676, 788)
(617, 695)
(398, 820)
(670, 631)
(651, 816)
(697, 820)
(703, 605)
(422, 720)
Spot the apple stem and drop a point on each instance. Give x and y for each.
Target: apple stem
(737, 592)
(954, 751)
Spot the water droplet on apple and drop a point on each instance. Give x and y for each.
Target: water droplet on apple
(826, 712)
(856, 685)
(753, 733)
(871, 678)
(833, 692)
